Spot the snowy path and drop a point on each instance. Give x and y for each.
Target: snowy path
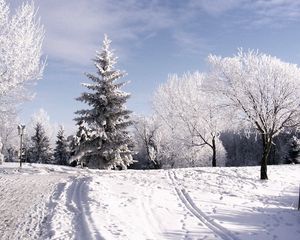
(22, 204)
(52, 202)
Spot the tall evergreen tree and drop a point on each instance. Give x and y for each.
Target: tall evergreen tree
(61, 153)
(40, 151)
(109, 144)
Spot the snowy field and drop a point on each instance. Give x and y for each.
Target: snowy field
(52, 202)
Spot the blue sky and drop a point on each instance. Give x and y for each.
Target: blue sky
(152, 39)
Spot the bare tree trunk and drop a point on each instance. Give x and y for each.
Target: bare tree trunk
(214, 160)
(267, 141)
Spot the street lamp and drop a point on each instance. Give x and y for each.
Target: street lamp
(21, 129)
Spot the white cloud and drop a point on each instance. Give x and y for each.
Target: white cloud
(191, 43)
(276, 10)
(74, 29)
(251, 13)
(216, 7)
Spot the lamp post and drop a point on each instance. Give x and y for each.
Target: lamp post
(21, 129)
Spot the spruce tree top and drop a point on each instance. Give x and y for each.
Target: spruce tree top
(106, 93)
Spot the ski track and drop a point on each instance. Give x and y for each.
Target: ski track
(185, 198)
(70, 217)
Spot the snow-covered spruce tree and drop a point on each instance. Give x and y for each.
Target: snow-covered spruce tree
(61, 153)
(40, 151)
(109, 147)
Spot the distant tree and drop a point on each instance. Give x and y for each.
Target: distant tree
(61, 152)
(148, 135)
(107, 118)
(262, 91)
(51, 129)
(195, 119)
(40, 151)
(293, 155)
(241, 149)
(11, 155)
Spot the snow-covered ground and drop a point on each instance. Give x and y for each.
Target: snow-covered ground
(52, 202)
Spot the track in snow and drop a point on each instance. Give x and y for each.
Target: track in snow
(147, 214)
(70, 216)
(185, 198)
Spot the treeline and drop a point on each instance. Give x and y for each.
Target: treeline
(244, 150)
(37, 148)
(238, 150)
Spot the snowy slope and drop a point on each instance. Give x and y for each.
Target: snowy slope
(52, 202)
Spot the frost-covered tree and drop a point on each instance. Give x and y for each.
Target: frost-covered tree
(262, 90)
(61, 152)
(8, 130)
(148, 137)
(107, 118)
(1, 155)
(21, 38)
(191, 113)
(40, 151)
(51, 129)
